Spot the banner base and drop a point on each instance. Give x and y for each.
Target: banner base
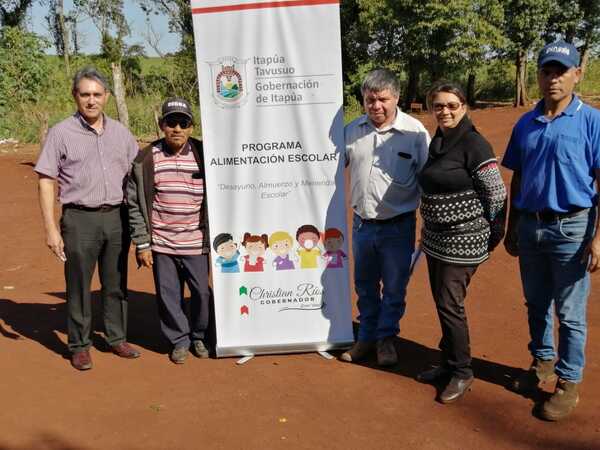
(253, 350)
(244, 360)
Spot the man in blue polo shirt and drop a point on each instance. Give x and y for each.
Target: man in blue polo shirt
(554, 153)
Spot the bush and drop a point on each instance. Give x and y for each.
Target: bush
(23, 67)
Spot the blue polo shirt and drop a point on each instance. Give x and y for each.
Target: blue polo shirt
(556, 158)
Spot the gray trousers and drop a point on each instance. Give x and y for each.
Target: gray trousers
(92, 237)
(170, 274)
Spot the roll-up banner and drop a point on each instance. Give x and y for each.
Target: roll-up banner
(271, 104)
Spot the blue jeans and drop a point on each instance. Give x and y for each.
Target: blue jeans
(554, 277)
(382, 254)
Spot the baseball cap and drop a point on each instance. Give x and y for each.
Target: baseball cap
(176, 105)
(561, 52)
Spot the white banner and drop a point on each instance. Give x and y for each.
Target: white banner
(272, 124)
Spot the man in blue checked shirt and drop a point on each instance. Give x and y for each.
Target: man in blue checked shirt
(554, 153)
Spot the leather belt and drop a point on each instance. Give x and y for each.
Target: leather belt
(391, 219)
(549, 216)
(101, 208)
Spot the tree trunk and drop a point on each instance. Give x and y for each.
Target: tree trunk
(412, 86)
(521, 98)
(64, 33)
(471, 90)
(42, 118)
(157, 122)
(585, 57)
(120, 93)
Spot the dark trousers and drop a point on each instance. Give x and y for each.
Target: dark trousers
(170, 274)
(449, 288)
(92, 237)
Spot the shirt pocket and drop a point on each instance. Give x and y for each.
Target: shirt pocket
(570, 149)
(397, 164)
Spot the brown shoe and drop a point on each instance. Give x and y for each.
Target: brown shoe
(455, 389)
(540, 372)
(359, 351)
(386, 352)
(563, 401)
(124, 350)
(81, 360)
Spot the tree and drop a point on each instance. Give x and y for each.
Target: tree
(589, 31)
(23, 68)
(13, 12)
(179, 14)
(57, 23)
(436, 38)
(525, 24)
(109, 18)
(184, 80)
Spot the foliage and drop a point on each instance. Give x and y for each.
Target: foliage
(23, 68)
(13, 12)
(179, 14)
(526, 22)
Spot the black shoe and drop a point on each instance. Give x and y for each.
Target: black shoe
(455, 389)
(432, 375)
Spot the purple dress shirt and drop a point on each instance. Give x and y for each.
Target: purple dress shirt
(91, 168)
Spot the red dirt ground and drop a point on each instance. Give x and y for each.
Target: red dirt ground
(272, 402)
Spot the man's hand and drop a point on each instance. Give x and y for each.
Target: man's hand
(55, 243)
(591, 255)
(144, 258)
(511, 240)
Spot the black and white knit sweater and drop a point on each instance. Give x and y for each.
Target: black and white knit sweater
(463, 204)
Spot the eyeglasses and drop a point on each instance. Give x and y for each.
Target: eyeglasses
(183, 122)
(452, 106)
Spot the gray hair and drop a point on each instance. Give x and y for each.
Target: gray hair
(379, 80)
(90, 73)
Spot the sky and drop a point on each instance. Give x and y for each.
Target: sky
(90, 37)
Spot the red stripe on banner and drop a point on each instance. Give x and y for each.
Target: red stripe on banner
(246, 6)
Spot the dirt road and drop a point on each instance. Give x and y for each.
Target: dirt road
(272, 402)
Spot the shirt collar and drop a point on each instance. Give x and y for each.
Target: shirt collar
(87, 126)
(574, 105)
(397, 124)
(184, 151)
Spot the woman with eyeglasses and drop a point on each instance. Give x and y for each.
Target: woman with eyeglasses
(463, 208)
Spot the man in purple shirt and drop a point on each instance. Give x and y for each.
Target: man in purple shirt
(89, 155)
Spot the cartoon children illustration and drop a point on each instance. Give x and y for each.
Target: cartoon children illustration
(308, 237)
(280, 244)
(333, 239)
(228, 253)
(256, 247)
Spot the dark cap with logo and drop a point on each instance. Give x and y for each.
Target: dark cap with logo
(561, 52)
(176, 105)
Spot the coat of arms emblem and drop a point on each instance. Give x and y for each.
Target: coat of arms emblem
(228, 80)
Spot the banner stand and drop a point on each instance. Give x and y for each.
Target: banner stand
(271, 103)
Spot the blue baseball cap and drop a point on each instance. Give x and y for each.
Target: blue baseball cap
(561, 52)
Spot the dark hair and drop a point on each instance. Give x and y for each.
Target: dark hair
(90, 73)
(379, 80)
(256, 238)
(307, 229)
(450, 88)
(221, 239)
